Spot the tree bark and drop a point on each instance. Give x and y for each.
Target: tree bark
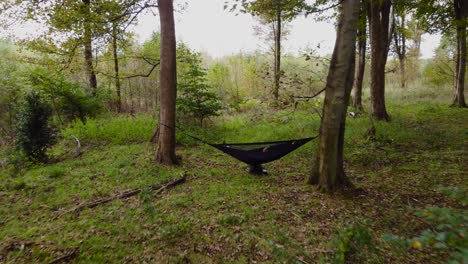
(359, 78)
(165, 153)
(277, 70)
(399, 39)
(328, 168)
(88, 50)
(379, 22)
(461, 15)
(116, 69)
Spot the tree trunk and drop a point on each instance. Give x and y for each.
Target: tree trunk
(379, 16)
(165, 153)
(277, 70)
(116, 69)
(328, 168)
(461, 15)
(359, 78)
(88, 50)
(399, 39)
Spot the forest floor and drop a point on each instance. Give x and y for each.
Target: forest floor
(222, 213)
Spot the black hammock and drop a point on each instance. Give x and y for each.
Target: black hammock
(261, 152)
(258, 153)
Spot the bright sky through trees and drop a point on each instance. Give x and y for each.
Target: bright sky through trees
(204, 25)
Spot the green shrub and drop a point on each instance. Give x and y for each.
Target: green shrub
(350, 242)
(14, 162)
(68, 99)
(34, 133)
(449, 228)
(195, 98)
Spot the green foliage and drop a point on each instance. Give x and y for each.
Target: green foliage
(11, 90)
(267, 8)
(435, 74)
(34, 133)
(449, 228)
(69, 99)
(280, 219)
(440, 70)
(434, 16)
(119, 130)
(56, 172)
(195, 98)
(146, 198)
(351, 241)
(233, 220)
(15, 162)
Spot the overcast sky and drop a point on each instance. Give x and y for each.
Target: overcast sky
(205, 26)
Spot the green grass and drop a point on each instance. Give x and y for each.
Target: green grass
(117, 130)
(223, 214)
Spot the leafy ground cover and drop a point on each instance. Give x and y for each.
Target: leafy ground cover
(223, 214)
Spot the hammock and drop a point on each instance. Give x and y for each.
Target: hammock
(257, 153)
(260, 152)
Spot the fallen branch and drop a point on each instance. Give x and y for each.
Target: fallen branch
(157, 188)
(66, 257)
(16, 245)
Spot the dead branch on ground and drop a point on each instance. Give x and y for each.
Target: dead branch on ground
(159, 188)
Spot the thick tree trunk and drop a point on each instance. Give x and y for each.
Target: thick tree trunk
(88, 50)
(116, 69)
(165, 153)
(379, 18)
(461, 11)
(359, 78)
(277, 70)
(328, 168)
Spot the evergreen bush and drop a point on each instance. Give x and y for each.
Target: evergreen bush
(34, 134)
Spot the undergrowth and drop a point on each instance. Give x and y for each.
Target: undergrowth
(223, 214)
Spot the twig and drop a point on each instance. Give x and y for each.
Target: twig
(66, 257)
(159, 189)
(301, 260)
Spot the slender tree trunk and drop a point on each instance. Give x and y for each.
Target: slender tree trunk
(417, 40)
(379, 21)
(116, 69)
(399, 39)
(277, 70)
(328, 168)
(88, 50)
(362, 39)
(402, 72)
(461, 11)
(165, 153)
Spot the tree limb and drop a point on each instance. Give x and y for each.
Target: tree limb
(136, 75)
(310, 97)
